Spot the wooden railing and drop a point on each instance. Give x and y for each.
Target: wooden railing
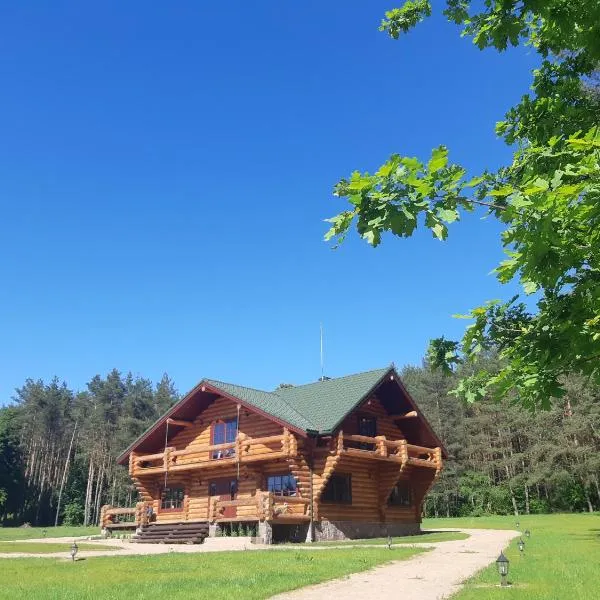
(262, 506)
(396, 450)
(112, 517)
(244, 450)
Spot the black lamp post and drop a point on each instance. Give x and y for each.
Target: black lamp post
(527, 533)
(74, 549)
(502, 563)
(521, 546)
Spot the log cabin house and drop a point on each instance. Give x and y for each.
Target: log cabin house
(349, 457)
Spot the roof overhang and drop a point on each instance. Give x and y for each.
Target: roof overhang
(187, 409)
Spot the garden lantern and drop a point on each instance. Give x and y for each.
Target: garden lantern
(74, 549)
(521, 546)
(502, 563)
(389, 544)
(527, 533)
(44, 532)
(518, 524)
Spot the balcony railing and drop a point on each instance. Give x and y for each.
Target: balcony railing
(379, 447)
(112, 517)
(262, 506)
(244, 450)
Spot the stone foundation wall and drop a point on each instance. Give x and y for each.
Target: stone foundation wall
(349, 530)
(265, 532)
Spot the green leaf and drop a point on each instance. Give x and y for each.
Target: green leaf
(448, 214)
(440, 231)
(438, 160)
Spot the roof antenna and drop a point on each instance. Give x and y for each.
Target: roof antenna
(322, 368)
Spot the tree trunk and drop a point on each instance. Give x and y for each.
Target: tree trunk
(64, 476)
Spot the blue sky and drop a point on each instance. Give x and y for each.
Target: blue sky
(165, 170)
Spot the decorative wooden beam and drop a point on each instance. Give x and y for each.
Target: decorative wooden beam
(179, 422)
(408, 415)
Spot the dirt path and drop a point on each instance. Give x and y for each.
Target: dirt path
(124, 548)
(433, 575)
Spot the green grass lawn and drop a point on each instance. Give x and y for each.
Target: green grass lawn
(47, 548)
(561, 559)
(423, 538)
(28, 533)
(216, 576)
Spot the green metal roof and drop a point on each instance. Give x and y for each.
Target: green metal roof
(268, 402)
(319, 406)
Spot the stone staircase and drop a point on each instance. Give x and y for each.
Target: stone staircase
(172, 533)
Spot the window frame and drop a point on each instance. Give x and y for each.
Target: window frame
(347, 477)
(161, 499)
(281, 493)
(366, 417)
(229, 452)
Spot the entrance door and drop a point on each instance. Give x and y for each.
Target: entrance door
(225, 489)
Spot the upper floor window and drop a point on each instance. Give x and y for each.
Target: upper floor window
(224, 432)
(172, 499)
(282, 485)
(401, 495)
(367, 426)
(338, 489)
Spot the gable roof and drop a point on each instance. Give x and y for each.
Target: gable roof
(326, 403)
(313, 408)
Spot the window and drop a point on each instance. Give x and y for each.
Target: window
(338, 489)
(367, 426)
(172, 499)
(401, 495)
(224, 432)
(281, 485)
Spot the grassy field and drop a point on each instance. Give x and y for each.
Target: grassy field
(561, 559)
(423, 538)
(29, 533)
(250, 575)
(47, 548)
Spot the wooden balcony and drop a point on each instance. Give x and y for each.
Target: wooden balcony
(380, 448)
(260, 507)
(243, 450)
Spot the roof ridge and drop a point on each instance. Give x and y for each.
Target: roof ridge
(246, 387)
(342, 377)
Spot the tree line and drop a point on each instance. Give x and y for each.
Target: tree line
(504, 458)
(58, 448)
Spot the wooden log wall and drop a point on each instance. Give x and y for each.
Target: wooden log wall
(373, 408)
(197, 503)
(198, 434)
(300, 468)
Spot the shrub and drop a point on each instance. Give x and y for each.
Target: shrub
(73, 514)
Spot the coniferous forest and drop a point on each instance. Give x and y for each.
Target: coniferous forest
(58, 448)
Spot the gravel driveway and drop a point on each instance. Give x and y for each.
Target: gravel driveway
(433, 575)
